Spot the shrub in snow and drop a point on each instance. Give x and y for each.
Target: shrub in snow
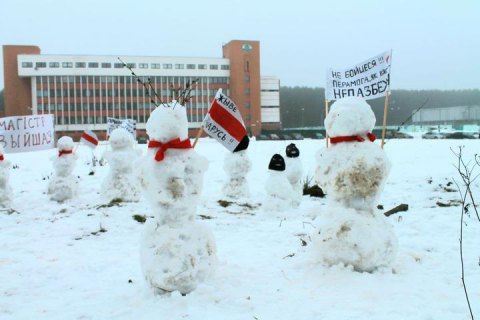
(63, 184)
(353, 171)
(237, 165)
(280, 193)
(176, 251)
(5, 189)
(121, 183)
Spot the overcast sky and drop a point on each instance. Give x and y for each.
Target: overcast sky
(436, 44)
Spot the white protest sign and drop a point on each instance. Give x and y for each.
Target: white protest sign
(369, 79)
(27, 133)
(129, 124)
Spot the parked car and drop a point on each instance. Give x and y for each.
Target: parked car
(297, 136)
(142, 140)
(460, 135)
(274, 136)
(318, 136)
(400, 135)
(262, 137)
(433, 135)
(286, 137)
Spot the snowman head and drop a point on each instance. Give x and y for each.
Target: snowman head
(168, 123)
(120, 138)
(349, 116)
(65, 143)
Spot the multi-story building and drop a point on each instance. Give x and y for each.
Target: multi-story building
(81, 91)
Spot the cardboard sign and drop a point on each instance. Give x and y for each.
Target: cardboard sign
(27, 133)
(129, 124)
(369, 79)
(224, 122)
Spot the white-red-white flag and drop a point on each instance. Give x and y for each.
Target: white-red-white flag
(89, 138)
(224, 122)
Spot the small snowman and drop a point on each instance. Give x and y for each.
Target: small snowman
(5, 189)
(353, 171)
(237, 165)
(177, 252)
(294, 167)
(121, 182)
(280, 194)
(63, 185)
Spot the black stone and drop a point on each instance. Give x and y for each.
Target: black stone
(292, 151)
(277, 163)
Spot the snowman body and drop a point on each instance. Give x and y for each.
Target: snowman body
(353, 171)
(177, 252)
(121, 183)
(63, 184)
(236, 166)
(5, 189)
(280, 194)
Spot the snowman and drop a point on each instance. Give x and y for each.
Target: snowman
(63, 185)
(294, 167)
(237, 165)
(5, 189)
(177, 252)
(121, 183)
(280, 194)
(353, 171)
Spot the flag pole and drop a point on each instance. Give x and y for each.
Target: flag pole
(199, 133)
(326, 114)
(385, 111)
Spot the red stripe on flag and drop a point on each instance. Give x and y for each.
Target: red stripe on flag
(89, 138)
(227, 121)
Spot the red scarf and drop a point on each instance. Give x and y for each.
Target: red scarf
(61, 152)
(1, 157)
(357, 138)
(172, 144)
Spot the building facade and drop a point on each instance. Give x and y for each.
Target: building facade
(458, 115)
(82, 91)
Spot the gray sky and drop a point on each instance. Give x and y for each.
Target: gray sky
(436, 44)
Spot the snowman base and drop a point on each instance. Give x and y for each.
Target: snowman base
(355, 238)
(62, 188)
(177, 258)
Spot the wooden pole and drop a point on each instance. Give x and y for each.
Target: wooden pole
(199, 133)
(385, 112)
(326, 114)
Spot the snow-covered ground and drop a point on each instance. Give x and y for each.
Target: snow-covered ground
(55, 263)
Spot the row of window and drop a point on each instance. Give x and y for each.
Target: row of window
(128, 79)
(131, 106)
(117, 93)
(107, 65)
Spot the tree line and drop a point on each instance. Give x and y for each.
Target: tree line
(305, 106)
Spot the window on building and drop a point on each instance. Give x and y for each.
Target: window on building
(247, 66)
(143, 65)
(40, 64)
(247, 78)
(131, 65)
(27, 65)
(54, 64)
(80, 65)
(190, 66)
(225, 67)
(67, 64)
(247, 105)
(179, 66)
(202, 66)
(214, 67)
(118, 65)
(247, 91)
(155, 65)
(167, 66)
(106, 65)
(93, 64)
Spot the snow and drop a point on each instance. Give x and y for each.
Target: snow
(5, 189)
(237, 165)
(56, 264)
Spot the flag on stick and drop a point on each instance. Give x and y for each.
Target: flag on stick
(224, 123)
(89, 138)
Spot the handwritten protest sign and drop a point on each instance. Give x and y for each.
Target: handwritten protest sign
(129, 124)
(369, 79)
(27, 133)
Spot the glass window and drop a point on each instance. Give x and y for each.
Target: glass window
(143, 65)
(247, 91)
(247, 105)
(131, 65)
(247, 78)
(202, 66)
(179, 66)
(106, 65)
(118, 65)
(79, 64)
(27, 64)
(190, 66)
(214, 67)
(40, 64)
(93, 64)
(167, 66)
(67, 64)
(225, 67)
(155, 65)
(54, 64)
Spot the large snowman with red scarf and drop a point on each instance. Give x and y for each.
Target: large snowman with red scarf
(177, 252)
(63, 184)
(353, 170)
